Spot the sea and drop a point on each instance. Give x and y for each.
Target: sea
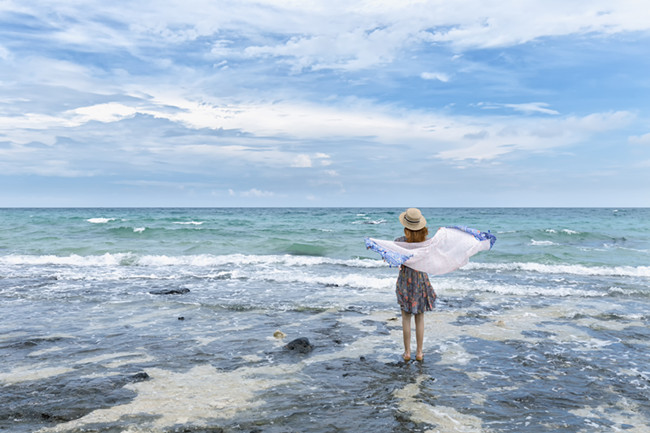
(186, 320)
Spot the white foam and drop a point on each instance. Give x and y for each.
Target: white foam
(565, 231)
(350, 280)
(72, 260)
(197, 395)
(369, 221)
(139, 229)
(614, 271)
(187, 223)
(541, 243)
(31, 372)
(117, 359)
(38, 353)
(630, 419)
(446, 419)
(199, 260)
(524, 290)
(100, 220)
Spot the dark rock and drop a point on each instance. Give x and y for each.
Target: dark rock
(54, 418)
(170, 291)
(196, 429)
(181, 318)
(301, 345)
(139, 377)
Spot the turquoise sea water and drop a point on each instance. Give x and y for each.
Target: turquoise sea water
(546, 332)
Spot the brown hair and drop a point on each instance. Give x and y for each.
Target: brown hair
(416, 235)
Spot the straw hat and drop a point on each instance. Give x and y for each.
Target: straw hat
(412, 219)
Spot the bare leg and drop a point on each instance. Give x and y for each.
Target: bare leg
(406, 332)
(419, 335)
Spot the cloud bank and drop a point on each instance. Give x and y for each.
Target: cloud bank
(274, 99)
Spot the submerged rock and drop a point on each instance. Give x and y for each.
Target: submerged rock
(169, 291)
(301, 345)
(139, 377)
(195, 429)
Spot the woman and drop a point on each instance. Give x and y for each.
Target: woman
(414, 292)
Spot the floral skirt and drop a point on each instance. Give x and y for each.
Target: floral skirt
(414, 292)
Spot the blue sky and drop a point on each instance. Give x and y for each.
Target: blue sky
(325, 103)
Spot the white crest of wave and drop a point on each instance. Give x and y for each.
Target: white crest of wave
(71, 260)
(541, 243)
(353, 280)
(100, 220)
(369, 221)
(463, 286)
(189, 223)
(200, 260)
(207, 260)
(609, 271)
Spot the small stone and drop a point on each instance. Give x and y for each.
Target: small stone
(181, 318)
(170, 291)
(279, 334)
(500, 323)
(301, 345)
(139, 377)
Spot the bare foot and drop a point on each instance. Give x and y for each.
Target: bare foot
(406, 356)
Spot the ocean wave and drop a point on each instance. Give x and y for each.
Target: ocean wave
(605, 271)
(188, 223)
(525, 290)
(369, 221)
(352, 280)
(100, 220)
(70, 260)
(200, 260)
(542, 243)
(292, 261)
(565, 231)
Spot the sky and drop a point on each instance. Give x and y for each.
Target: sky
(429, 103)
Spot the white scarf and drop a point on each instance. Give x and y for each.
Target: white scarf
(448, 250)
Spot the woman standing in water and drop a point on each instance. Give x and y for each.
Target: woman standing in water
(414, 292)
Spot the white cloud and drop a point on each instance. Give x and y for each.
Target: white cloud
(435, 76)
(526, 107)
(203, 87)
(442, 135)
(500, 136)
(5, 54)
(324, 159)
(254, 192)
(301, 161)
(640, 139)
(332, 34)
(109, 112)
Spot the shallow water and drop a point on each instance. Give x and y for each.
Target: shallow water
(546, 332)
